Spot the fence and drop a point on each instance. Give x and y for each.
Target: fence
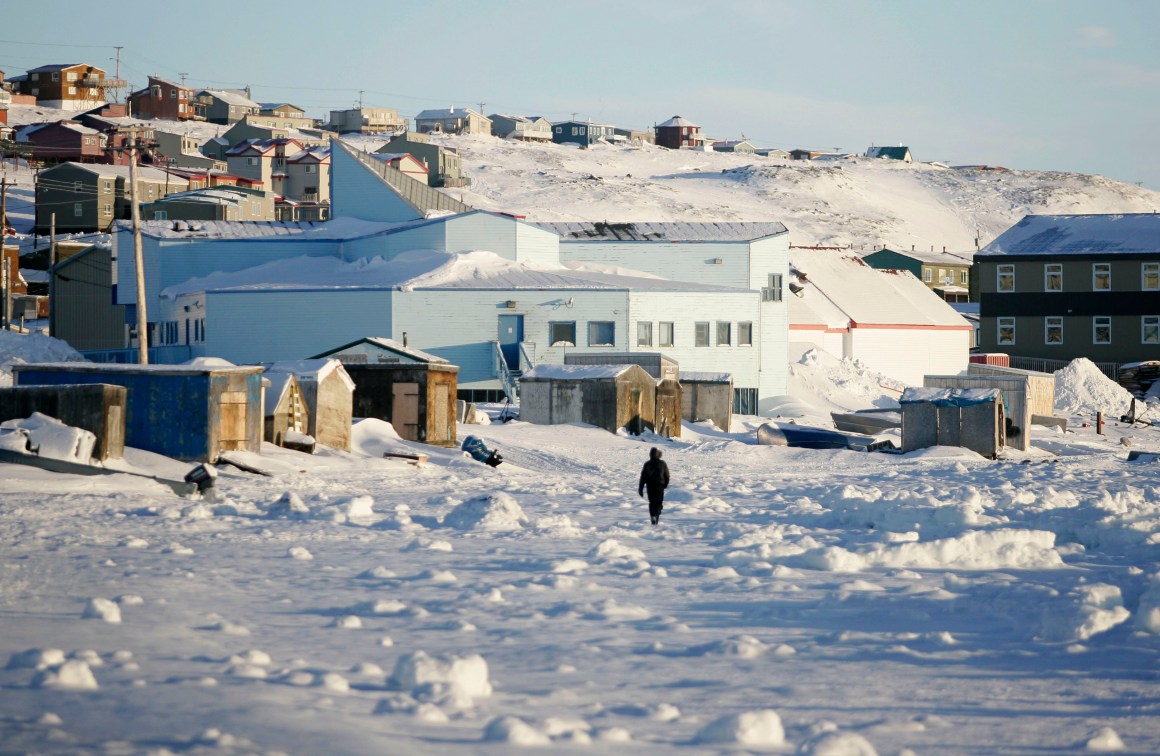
(1044, 365)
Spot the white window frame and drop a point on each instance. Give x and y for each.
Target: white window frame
(1000, 324)
(772, 291)
(1150, 270)
(1004, 271)
(672, 333)
(701, 333)
(78, 209)
(927, 275)
(964, 277)
(644, 333)
(745, 334)
(1049, 270)
(1150, 322)
(1098, 322)
(161, 215)
(1050, 322)
(71, 76)
(1099, 270)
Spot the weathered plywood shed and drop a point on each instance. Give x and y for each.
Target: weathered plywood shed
(707, 396)
(98, 408)
(417, 399)
(655, 364)
(607, 396)
(1024, 393)
(328, 392)
(668, 408)
(970, 418)
(283, 406)
(412, 390)
(189, 412)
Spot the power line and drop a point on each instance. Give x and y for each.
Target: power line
(45, 44)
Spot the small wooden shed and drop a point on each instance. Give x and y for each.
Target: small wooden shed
(188, 412)
(1024, 393)
(707, 396)
(328, 392)
(970, 418)
(284, 407)
(607, 396)
(668, 408)
(97, 408)
(412, 390)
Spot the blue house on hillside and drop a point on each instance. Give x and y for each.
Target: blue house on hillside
(582, 133)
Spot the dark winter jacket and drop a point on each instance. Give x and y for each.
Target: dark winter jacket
(655, 474)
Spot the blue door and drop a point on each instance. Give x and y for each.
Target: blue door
(511, 333)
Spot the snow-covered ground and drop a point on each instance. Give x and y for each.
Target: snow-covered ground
(820, 601)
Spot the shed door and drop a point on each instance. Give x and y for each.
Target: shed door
(442, 426)
(233, 430)
(405, 410)
(511, 333)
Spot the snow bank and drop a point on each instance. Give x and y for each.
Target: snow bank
(1082, 389)
(71, 675)
(454, 680)
(496, 512)
(1148, 613)
(837, 744)
(834, 383)
(1086, 611)
(103, 609)
(22, 349)
(514, 731)
(975, 550)
(751, 728)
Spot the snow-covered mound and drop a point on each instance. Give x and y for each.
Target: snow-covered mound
(497, 511)
(1082, 389)
(834, 383)
(21, 349)
(856, 201)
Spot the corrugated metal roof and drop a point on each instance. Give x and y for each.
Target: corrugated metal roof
(674, 231)
(677, 121)
(1128, 233)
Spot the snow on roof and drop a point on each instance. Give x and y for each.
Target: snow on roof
(937, 257)
(391, 157)
(574, 372)
(866, 295)
(677, 121)
(894, 153)
(315, 370)
(420, 269)
(212, 195)
(1079, 234)
(673, 231)
(702, 377)
(144, 172)
(408, 351)
(89, 367)
(78, 128)
(338, 228)
(231, 98)
(279, 383)
(60, 67)
(436, 113)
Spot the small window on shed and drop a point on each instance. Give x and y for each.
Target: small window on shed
(601, 333)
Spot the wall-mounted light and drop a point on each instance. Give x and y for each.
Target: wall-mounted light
(510, 304)
(718, 261)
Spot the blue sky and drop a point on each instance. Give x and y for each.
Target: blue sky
(1037, 84)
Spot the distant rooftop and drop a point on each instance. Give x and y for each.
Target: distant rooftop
(674, 231)
(1129, 233)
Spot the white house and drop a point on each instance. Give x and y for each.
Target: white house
(888, 319)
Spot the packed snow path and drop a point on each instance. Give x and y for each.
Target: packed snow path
(937, 602)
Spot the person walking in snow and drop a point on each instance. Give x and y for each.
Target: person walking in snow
(654, 477)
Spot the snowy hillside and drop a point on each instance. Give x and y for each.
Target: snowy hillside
(856, 201)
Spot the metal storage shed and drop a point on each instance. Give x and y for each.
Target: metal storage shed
(707, 396)
(1025, 393)
(187, 412)
(607, 396)
(328, 391)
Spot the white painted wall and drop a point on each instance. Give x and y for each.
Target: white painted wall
(909, 354)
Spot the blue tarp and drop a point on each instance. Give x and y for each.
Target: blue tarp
(950, 397)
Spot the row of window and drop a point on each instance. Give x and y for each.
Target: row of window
(603, 333)
(945, 276)
(1101, 277)
(169, 332)
(1101, 330)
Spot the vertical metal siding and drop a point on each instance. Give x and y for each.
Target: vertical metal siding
(355, 192)
(676, 261)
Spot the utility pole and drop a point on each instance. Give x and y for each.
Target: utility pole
(183, 75)
(52, 276)
(3, 254)
(138, 258)
(360, 99)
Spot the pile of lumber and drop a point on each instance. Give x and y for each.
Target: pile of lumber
(1138, 377)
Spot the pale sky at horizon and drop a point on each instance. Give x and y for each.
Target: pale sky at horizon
(1035, 84)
